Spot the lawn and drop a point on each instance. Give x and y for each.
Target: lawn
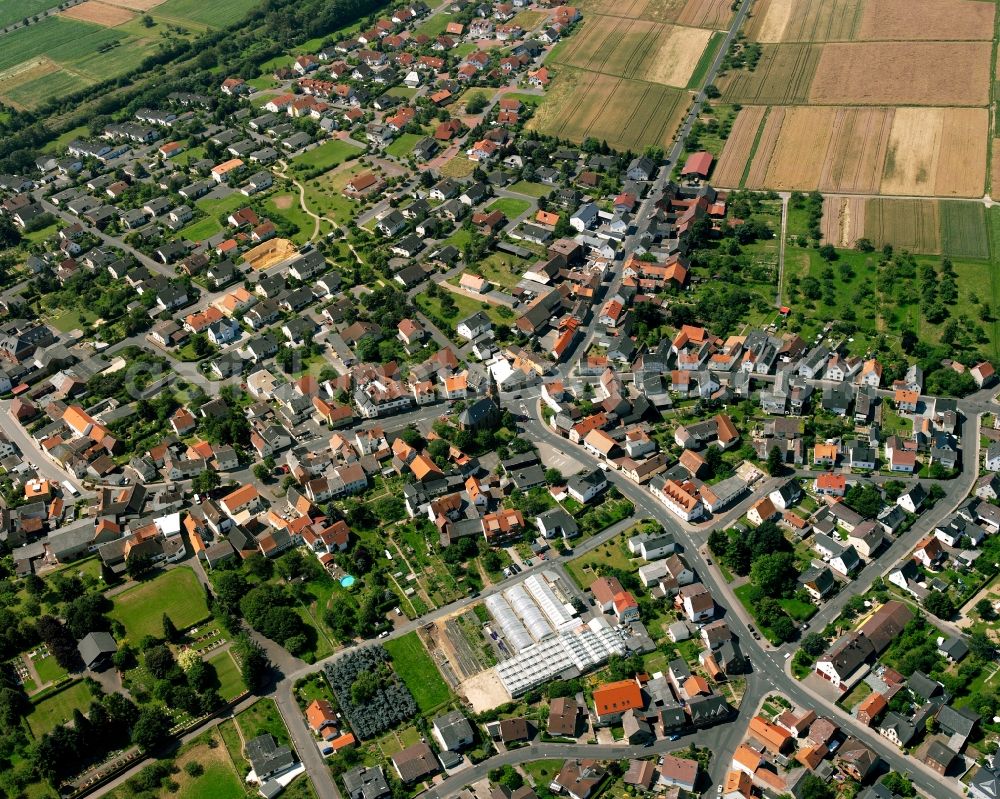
(230, 681)
(797, 609)
(502, 270)
(262, 717)
(217, 206)
(543, 771)
(530, 189)
(466, 306)
(176, 592)
(62, 40)
(416, 669)
(458, 167)
(202, 229)
(403, 146)
(49, 670)
(611, 553)
(68, 320)
(510, 207)
(58, 708)
(327, 155)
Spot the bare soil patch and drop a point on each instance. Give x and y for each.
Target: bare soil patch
(283, 202)
(903, 73)
(99, 13)
(733, 161)
(270, 253)
(941, 20)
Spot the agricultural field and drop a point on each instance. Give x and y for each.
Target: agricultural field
(903, 73)
(933, 227)
(782, 76)
(628, 114)
(217, 14)
(865, 20)
(176, 592)
(909, 151)
(636, 49)
(698, 13)
(901, 88)
(94, 41)
(16, 10)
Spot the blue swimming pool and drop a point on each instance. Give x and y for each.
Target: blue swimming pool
(347, 581)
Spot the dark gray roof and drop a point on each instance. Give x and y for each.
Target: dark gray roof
(94, 646)
(366, 783)
(266, 757)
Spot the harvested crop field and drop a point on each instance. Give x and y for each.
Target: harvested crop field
(632, 48)
(628, 114)
(677, 56)
(843, 221)
(99, 13)
(807, 21)
(936, 151)
(857, 148)
(612, 45)
(706, 13)
(801, 151)
(902, 73)
(765, 149)
(913, 225)
(941, 20)
(732, 163)
(783, 76)
(714, 14)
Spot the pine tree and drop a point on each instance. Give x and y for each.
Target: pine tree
(169, 629)
(775, 463)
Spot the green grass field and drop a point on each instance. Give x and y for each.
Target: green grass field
(328, 155)
(49, 670)
(231, 683)
(705, 62)
(415, 668)
(58, 708)
(176, 592)
(62, 40)
(262, 717)
(466, 307)
(611, 553)
(530, 189)
(217, 14)
(16, 10)
(510, 207)
(225, 205)
(403, 146)
(202, 229)
(33, 93)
